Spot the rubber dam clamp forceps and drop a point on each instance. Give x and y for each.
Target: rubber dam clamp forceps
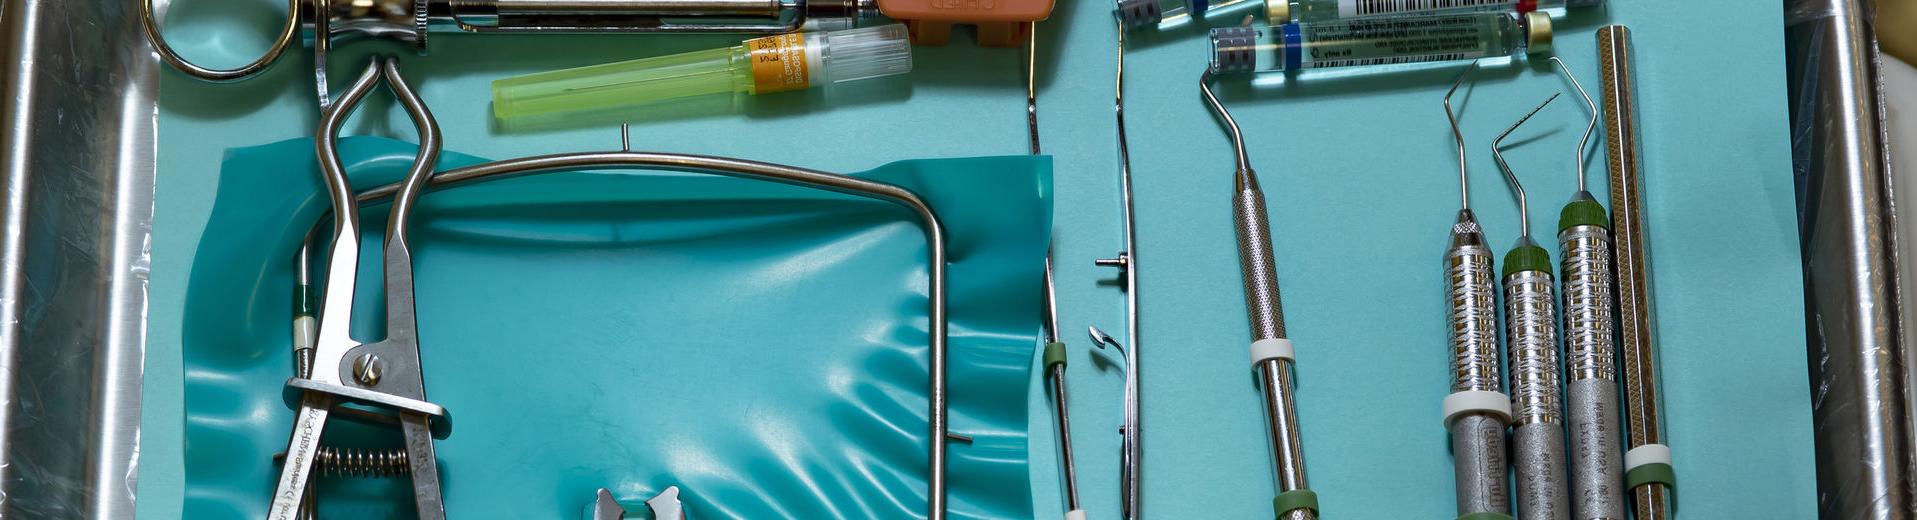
(1647, 466)
(411, 21)
(1537, 432)
(1055, 353)
(936, 257)
(1271, 349)
(1591, 400)
(1477, 410)
(1131, 447)
(383, 375)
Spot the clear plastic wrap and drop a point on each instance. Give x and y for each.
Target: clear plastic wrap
(77, 173)
(1853, 258)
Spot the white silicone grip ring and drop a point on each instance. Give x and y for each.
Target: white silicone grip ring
(1267, 349)
(1646, 454)
(1460, 403)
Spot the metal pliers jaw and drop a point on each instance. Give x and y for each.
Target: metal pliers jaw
(382, 378)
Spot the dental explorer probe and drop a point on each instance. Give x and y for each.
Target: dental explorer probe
(1590, 395)
(1271, 351)
(1537, 433)
(1477, 410)
(1054, 348)
(1130, 449)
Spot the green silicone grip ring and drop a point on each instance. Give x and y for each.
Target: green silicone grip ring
(1484, 516)
(1054, 354)
(1658, 473)
(303, 301)
(1583, 213)
(1295, 499)
(1527, 258)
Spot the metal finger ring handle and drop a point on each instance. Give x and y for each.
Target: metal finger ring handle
(249, 70)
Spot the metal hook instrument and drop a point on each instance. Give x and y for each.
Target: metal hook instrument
(1130, 445)
(1590, 346)
(1477, 410)
(1511, 179)
(1271, 348)
(1537, 431)
(1055, 352)
(1584, 141)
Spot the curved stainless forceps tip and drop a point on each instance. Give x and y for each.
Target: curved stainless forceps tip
(384, 374)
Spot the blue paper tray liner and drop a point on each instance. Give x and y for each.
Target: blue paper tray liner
(762, 346)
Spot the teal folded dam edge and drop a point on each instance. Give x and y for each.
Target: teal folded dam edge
(761, 346)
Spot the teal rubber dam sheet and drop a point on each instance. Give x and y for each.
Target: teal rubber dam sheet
(761, 346)
(1360, 178)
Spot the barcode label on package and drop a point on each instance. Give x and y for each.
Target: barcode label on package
(1359, 8)
(1394, 60)
(1384, 41)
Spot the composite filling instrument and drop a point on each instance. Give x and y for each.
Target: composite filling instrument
(1271, 349)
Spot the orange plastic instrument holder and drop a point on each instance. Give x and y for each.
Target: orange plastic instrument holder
(1001, 23)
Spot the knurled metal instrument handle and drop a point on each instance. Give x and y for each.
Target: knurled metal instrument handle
(1591, 394)
(1537, 432)
(1589, 344)
(1471, 299)
(1260, 272)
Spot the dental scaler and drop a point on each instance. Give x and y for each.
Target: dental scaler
(1537, 430)
(1477, 410)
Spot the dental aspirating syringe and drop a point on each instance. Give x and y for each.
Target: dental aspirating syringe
(779, 63)
(1402, 42)
(411, 21)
